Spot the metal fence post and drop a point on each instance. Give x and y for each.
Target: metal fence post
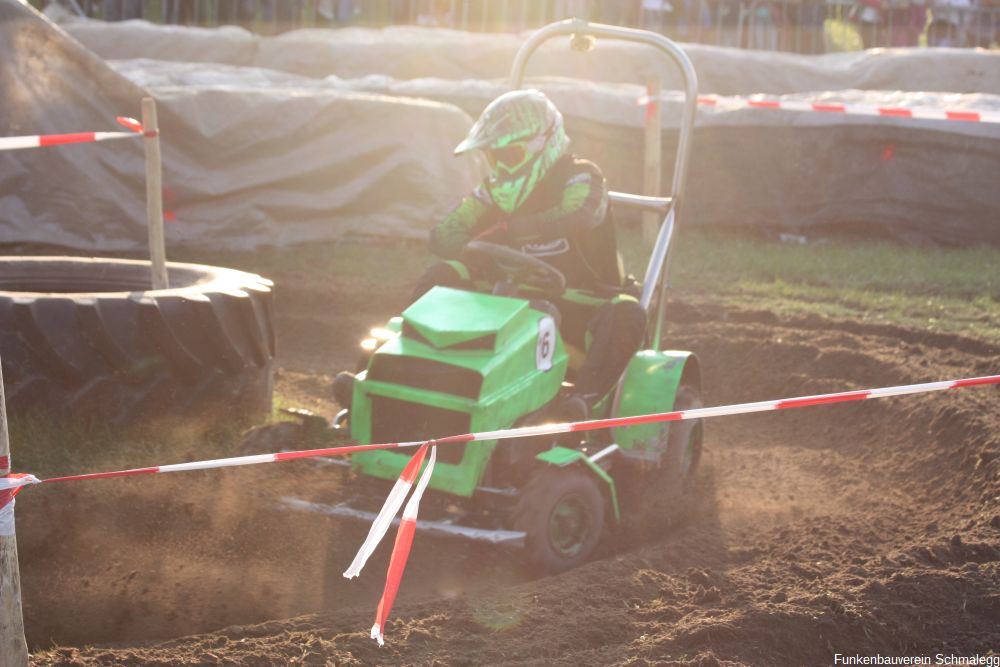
(13, 648)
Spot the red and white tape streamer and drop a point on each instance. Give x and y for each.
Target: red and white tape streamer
(401, 549)
(919, 113)
(11, 484)
(388, 512)
(40, 140)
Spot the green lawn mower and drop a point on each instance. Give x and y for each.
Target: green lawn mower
(461, 361)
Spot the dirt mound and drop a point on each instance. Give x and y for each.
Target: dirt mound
(868, 527)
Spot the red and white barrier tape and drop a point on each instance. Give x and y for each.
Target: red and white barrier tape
(547, 429)
(919, 113)
(388, 512)
(401, 548)
(40, 140)
(11, 484)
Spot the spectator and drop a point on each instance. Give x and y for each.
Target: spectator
(762, 21)
(181, 12)
(949, 22)
(618, 12)
(238, 12)
(984, 28)
(657, 15)
(804, 27)
(694, 20)
(581, 9)
(121, 10)
(867, 16)
(905, 23)
(402, 12)
(438, 14)
(727, 20)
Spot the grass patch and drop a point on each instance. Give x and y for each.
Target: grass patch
(947, 290)
(975, 318)
(387, 262)
(55, 447)
(952, 290)
(719, 259)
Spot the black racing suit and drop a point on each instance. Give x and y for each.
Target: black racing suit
(566, 222)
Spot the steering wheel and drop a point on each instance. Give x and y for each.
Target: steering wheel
(514, 266)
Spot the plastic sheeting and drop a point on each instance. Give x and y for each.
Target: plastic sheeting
(257, 156)
(245, 167)
(406, 52)
(796, 171)
(50, 84)
(231, 45)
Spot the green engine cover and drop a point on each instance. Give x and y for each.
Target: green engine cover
(462, 362)
(651, 382)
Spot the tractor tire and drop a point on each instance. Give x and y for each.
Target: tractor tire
(87, 338)
(271, 438)
(684, 444)
(562, 512)
(655, 501)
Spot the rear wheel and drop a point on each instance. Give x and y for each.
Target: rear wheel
(562, 512)
(657, 499)
(684, 443)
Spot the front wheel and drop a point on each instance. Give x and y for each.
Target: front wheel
(562, 512)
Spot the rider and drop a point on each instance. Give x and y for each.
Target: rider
(546, 202)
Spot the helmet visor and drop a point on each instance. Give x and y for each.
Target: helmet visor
(509, 157)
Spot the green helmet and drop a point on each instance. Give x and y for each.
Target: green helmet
(522, 134)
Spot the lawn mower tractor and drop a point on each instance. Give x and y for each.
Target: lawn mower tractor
(460, 361)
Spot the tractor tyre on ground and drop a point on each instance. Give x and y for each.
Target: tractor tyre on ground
(684, 444)
(271, 438)
(562, 512)
(87, 338)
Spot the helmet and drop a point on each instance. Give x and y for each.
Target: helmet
(523, 136)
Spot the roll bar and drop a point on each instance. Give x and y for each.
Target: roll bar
(583, 34)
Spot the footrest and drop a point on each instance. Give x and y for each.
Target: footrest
(513, 538)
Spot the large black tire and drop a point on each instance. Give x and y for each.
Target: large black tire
(562, 512)
(87, 337)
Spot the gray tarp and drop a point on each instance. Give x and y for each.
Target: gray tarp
(794, 170)
(242, 168)
(406, 52)
(256, 156)
(50, 84)
(912, 179)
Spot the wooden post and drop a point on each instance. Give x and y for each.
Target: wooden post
(13, 648)
(652, 156)
(154, 194)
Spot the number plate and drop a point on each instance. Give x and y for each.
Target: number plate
(545, 350)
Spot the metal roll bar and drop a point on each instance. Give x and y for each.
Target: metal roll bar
(582, 34)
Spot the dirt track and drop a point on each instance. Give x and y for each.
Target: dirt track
(861, 528)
